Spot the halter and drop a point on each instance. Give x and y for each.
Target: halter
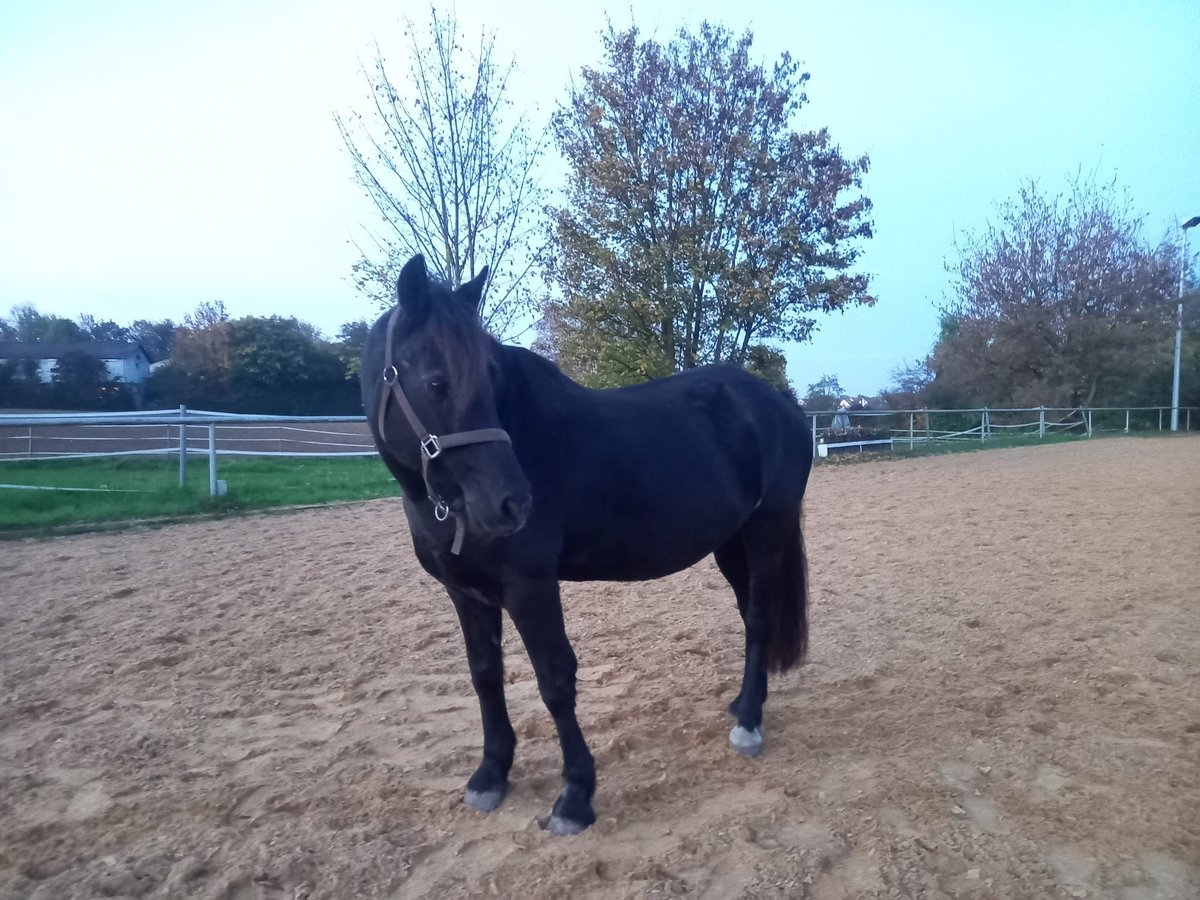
(432, 446)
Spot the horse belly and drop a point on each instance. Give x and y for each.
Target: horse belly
(636, 545)
(626, 564)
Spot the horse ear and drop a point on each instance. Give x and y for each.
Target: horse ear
(412, 287)
(472, 291)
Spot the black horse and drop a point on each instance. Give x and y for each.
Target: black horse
(516, 477)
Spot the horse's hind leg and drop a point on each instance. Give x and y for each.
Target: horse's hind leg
(731, 560)
(760, 581)
(481, 625)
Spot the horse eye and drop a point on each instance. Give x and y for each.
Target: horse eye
(437, 386)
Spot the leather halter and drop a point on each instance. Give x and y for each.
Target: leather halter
(432, 445)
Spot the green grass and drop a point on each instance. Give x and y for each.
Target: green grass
(148, 488)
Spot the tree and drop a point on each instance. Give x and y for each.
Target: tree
(698, 222)
(30, 326)
(770, 365)
(279, 366)
(106, 330)
(449, 176)
(157, 338)
(824, 394)
(82, 381)
(349, 344)
(909, 386)
(1060, 302)
(201, 361)
(259, 364)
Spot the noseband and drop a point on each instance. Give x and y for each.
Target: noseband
(432, 445)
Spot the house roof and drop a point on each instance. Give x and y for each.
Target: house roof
(98, 349)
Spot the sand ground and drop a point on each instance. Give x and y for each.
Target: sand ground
(1002, 700)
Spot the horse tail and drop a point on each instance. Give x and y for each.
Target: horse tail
(789, 625)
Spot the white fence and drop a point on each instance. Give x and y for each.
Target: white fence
(180, 432)
(841, 429)
(185, 432)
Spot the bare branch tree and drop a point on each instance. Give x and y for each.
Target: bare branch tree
(450, 177)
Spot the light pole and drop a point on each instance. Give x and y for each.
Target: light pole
(1183, 230)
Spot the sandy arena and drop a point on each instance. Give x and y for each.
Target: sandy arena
(1002, 700)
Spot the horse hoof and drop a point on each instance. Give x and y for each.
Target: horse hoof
(562, 827)
(747, 743)
(485, 801)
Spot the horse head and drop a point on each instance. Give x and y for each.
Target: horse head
(441, 369)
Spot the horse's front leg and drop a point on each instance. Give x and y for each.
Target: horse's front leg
(481, 630)
(537, 612)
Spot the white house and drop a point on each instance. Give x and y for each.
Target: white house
(126, 363)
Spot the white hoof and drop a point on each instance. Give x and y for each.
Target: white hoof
(564, 827)
(747, 743)
(484, 801)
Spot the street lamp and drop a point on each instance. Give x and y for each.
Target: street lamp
(1183, 230)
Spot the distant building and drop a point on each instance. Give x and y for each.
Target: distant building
(126, 363)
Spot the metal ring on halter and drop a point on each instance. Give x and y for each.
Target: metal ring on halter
(441, 511)
(390, 374)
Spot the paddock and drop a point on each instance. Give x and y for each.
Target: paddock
(1002, 700)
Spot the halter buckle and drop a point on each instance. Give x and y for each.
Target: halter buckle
(431, 446)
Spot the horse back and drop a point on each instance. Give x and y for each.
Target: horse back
(654, 477)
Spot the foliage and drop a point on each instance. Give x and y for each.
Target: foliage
(81, 381)
(909, 387)
(279, 367)
(1060, 302)
(824, 394)
(103, 330)
(450, 177)
(271, 365)
(157, 338)
(770, 365)
(351, 338)
(698, 223)
(200, 371)
(27, 325)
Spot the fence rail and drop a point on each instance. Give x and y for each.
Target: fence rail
(182, 432)
(185, 432)
(840, 429)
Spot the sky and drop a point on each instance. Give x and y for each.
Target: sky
(155, 154)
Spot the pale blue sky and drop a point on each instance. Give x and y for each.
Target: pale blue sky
(157, 154)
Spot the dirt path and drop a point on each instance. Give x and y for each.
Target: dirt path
(1003, 700)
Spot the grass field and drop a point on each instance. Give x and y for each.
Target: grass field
(148, 488)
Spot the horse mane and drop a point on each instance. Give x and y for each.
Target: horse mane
(454, 328)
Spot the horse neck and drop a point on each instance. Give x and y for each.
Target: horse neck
(536, 388)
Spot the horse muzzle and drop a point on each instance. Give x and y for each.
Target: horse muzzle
(501, 516)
